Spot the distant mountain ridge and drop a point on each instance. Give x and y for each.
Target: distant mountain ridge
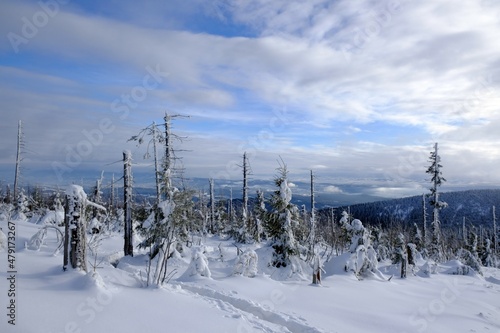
(474, 205)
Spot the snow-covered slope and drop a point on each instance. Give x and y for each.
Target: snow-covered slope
(114, 299)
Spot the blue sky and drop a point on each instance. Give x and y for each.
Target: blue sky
(358, 91)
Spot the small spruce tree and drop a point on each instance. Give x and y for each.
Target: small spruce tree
(281, 219)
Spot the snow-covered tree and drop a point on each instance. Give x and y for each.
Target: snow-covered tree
(246, 264)
(199, 263)
(417, 238)
(399, 252)
(436, 246)
(468, 259)
(363, 258)
(487, 256)
(471, 244)
(21, 206)
(280, 221)
(259, 216)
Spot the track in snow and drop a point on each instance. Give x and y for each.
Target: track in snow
(256, 316)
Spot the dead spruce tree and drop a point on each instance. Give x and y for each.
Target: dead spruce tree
(436, 245)
(128, 246)
(163, 227)
(20, 144)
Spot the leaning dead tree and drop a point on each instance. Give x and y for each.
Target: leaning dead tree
(75, 240)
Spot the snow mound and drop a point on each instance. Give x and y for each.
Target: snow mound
(297, 270)
(455, 267)
(52, 217)
(92, 280)
(337, 265)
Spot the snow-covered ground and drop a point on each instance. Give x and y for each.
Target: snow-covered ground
(115, 299)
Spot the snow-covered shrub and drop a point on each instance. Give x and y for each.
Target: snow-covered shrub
(429, 267)
(488, 258)
(357, 232)
(36, 241)
(383, 252)
(412, 253)
(246, 264)
(39, 239)
(468, 259)
(21, 208)
(199, 263)
(362, 261)
(52, 217)
(95, 226)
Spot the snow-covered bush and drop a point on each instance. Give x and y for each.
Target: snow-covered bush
(362, 261)
(199, 263)
(468, 259)
(246, 264)
(356, 232)
(52, 217)
(36, 241)
(488, 258)
(95, 226)
(428, 268)
(21, 208)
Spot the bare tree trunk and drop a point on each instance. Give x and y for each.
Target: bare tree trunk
(66, 235)
(75, 243)
(167, 172)
(157, 167)
(245, 187)
(212, 206)
(495, 239)
(112, 197)
(425, 232)
(128, 247)
(312, 232)
(18, 160)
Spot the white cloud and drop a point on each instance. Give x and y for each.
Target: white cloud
(332, 189)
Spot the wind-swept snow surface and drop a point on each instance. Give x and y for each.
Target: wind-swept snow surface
(114, 299)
